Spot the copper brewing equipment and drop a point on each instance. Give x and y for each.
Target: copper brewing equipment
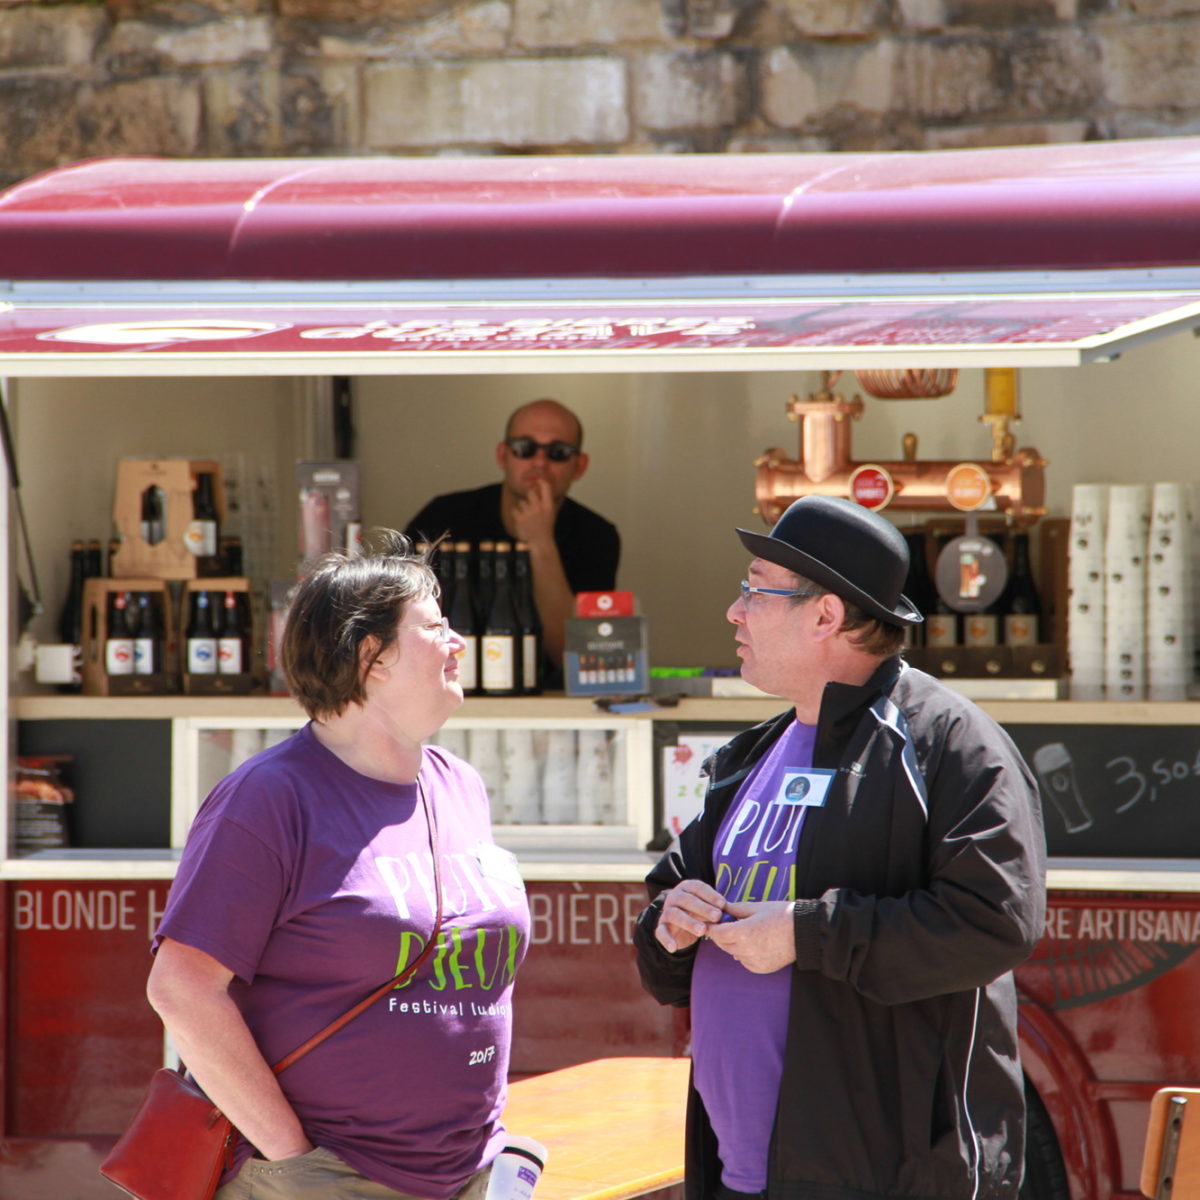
(909, 383)
(825, 465)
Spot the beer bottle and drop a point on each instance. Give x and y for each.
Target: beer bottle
(148, 642)
(1022, 605)
(499, 660)
(232, 559)
(201, 635)
(529, 622)
(232, 646)
(918, 587)
(484, 584)
(461, 615)
(443, 568)
(153, 526)
(118, 640)
(201, 535)
(70, 621)
(983, 628)
(941, 621)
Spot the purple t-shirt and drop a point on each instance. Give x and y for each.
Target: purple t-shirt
(313, 884)
(739, 1019)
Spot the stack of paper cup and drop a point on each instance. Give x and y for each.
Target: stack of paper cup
(483, 753)
(1085, 582)
(559, 805)
(522, 785)
(1169, 635)
(1125, 546)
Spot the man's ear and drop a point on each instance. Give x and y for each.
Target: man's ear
(501, 455)
(581, 465)
(830, 615)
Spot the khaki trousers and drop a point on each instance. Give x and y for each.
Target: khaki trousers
(321, 1175)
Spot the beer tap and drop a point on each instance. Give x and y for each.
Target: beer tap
(1010, 482)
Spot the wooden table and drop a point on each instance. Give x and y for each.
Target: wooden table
(613, 1127)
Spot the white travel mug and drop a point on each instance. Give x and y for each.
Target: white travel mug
(516, 1169)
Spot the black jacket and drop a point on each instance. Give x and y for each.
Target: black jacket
(920, 884)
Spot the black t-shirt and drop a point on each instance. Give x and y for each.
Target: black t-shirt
(588, 544)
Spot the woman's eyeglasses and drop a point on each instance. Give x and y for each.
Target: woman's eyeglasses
(526, 447)
(442, 627)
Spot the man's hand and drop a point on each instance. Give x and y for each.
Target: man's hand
(534, 515)
(689, 911)
(762, 936)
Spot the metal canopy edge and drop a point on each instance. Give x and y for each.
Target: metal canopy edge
(755, 323)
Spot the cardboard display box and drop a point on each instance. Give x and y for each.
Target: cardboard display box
(218, 683)
(160, 551)
(97, 681)
(606, 656)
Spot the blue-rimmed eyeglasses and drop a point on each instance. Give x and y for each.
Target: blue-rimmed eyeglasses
(441, 627)
(748, 591)
(526, 447)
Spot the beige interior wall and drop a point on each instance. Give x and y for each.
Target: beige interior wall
(671, 455)
(70, 433)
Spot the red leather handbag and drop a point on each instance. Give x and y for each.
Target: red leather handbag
(176, 1146)
(179, 1142)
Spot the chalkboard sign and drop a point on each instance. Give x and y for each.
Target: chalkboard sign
(1117, 791)
(1108, 791)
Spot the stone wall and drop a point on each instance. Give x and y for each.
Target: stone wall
(316, 77)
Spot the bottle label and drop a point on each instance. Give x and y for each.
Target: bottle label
(202, 656)
(143, 656)
(499, 662)
(941, 629)
(200, 538)
(118, 656)
(529, 661)
(468, 663)
(980, 629)
(1021, 629)
(229, 656)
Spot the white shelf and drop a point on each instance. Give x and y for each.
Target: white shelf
(546, 851)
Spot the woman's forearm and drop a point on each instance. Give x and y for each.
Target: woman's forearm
(213, 1040)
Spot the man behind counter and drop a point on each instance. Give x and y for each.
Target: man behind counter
(571, 548)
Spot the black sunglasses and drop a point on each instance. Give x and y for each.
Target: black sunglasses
(526, 447)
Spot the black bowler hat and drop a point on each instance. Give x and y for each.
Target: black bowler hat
(845, 548)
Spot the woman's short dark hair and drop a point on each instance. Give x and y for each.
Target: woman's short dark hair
(342, 602)
(871, 635)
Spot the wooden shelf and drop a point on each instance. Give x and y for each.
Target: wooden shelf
(692, 708)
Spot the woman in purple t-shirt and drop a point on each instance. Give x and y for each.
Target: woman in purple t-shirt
(307, 880)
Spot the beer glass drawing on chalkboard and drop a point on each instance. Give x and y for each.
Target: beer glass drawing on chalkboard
(1056, 770)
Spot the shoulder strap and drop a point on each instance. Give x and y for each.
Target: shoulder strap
(407, 973)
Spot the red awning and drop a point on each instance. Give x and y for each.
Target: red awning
(1055, 255)
(1091, 205)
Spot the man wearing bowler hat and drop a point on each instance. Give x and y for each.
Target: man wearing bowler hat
(844, 916)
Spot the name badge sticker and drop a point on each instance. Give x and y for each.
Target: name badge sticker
(809, 788)
(497, 863)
